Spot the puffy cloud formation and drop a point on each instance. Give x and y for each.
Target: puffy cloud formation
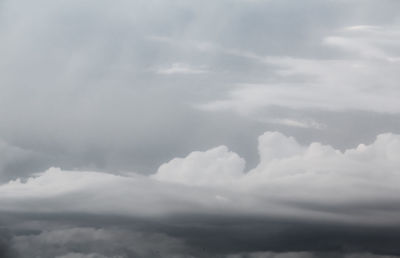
(314, 181)
(215, 166)
(282, 156)
(284, 160)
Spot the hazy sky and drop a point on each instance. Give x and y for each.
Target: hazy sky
(185, 128)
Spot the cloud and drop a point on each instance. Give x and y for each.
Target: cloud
(320, 191)
(362, 79)
(87, 87)
(180, 68)
(291, 180)
(308, 255)
(90, 242)
(69, 67)
(371, 42)
(215, 166)
(6, 250)
(307, 123)
(14, 158)
(79, 255)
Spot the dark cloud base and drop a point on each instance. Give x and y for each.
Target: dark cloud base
(200, 236)
(6, 249)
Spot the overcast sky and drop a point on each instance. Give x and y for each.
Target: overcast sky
(188, 128)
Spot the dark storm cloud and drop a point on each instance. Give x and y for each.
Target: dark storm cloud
(196, 236)
(6, 249)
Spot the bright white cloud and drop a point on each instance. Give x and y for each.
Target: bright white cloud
(215, 166)
(288, 175)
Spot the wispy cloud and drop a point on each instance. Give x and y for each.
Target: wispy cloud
(181, 68)
(305, 123)
(365, 81)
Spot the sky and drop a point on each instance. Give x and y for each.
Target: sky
(188, 128)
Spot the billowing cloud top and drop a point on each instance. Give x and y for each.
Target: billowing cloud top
(291, 180)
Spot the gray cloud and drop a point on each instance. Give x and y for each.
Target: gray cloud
(115, 88)
(96, 243)
(196, 236)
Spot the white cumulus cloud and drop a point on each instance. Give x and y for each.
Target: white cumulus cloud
(291, 179)
(215, 166)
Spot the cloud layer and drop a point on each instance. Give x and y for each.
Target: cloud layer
(348, 198)
(293, 180)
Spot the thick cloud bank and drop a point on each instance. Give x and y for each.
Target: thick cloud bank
(358, 185)
(299, 201)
